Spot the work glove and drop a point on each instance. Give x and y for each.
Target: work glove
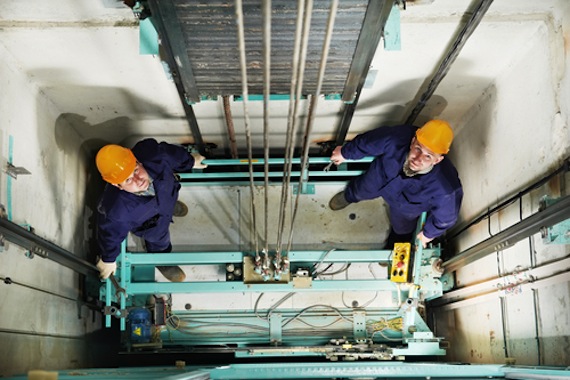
(198, 158)
(106, 269)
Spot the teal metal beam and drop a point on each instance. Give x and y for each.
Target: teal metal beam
(229, 175)
(205, 258)
(339, 181)
(354, 370)
(136, 288)
(322, 370)
(392, 33)
(274, 161)
(148, 38)
(275, 328)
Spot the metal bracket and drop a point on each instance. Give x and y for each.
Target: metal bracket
(305, 189)
(275, 333)
(116, 312)
(359, 326)
(13, 171)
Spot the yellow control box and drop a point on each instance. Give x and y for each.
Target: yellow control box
(400, 262)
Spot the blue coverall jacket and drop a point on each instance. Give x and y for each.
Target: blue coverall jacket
(438, 192)
(146, 216)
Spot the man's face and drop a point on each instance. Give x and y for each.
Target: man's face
(421, 158)
(137, 182)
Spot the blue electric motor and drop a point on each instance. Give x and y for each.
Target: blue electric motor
(140, 325)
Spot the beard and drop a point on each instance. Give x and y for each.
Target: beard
(408, 172)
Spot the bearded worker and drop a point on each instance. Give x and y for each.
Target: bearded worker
(411, 173)
(141, 197)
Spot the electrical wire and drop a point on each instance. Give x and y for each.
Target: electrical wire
(316, 266)
(337, 311)
(189, 325)
(321, 326)
(273, 307)
(380, 326)
(344, 268)
(366, 304)
(278, 303)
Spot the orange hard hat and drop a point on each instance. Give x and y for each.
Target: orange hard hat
(115, 163)
(436, 135)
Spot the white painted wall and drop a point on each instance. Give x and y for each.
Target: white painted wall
(517, 133)
(51, 200)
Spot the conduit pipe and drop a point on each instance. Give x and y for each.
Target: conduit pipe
(450, 57)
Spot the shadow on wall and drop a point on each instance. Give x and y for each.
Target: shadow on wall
(397, 107)
(469, 154)
(100, 101)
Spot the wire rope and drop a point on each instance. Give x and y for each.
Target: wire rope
(312, 109)
(243, 65)
(291, 116)
(266, 93)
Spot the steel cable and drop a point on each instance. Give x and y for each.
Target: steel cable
(266, 93)
(290, 121)
(243, 64)
(312, 109)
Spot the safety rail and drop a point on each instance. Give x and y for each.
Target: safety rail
(199, 176)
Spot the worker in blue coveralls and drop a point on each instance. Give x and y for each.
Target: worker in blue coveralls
(412, 175)
(141, 197)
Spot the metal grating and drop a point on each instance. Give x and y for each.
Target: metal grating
(209, 33)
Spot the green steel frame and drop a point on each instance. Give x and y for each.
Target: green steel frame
(345, 333)
(282, 332)
(344, 370)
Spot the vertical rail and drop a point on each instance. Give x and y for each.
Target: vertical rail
(9, 177)
(125, 273)
(419, 250)
(448, 60)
